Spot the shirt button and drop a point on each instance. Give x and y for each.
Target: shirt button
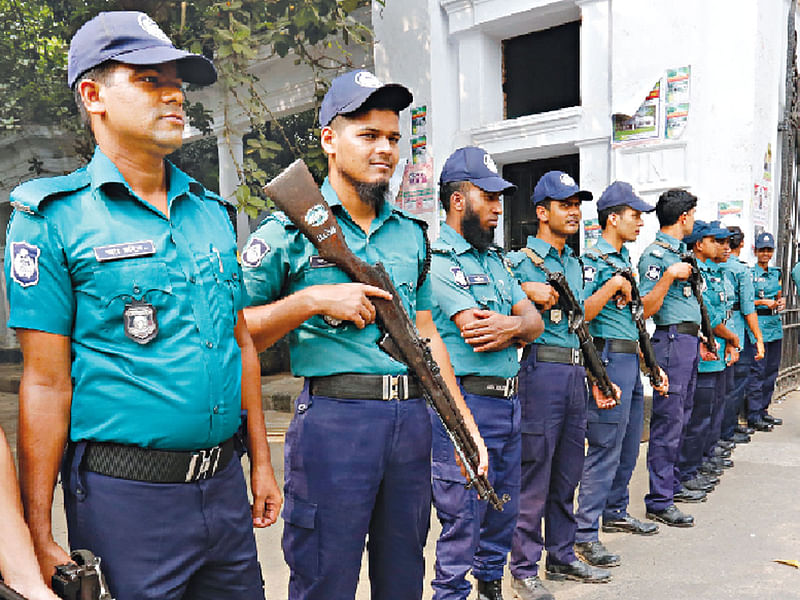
(136, 289)
(191, 279)
(216, 410)
(210, 344)
(235, 276)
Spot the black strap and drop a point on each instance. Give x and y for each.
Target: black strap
(496, 387)
(357, 386)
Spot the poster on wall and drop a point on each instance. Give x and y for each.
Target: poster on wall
(591, 232)
(418, 192)
(729, 211)
(663, 115)
(760, 210)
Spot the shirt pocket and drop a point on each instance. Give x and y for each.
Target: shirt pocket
(221, 278)
(404, 277)
(118, 284)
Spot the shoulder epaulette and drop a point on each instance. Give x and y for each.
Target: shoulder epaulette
(514, 258)
(281, 218)
(29, 196)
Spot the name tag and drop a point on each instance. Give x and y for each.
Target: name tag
(127, 250)
(317, 262)
(478, 279)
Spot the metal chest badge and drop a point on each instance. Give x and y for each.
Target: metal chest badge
(556, 315)
(139, 319)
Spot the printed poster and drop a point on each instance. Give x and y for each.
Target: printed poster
(760, 206)
(643, 124)
(418, 192)
(591, 232)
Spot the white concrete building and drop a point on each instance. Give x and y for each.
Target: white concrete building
(454, 55)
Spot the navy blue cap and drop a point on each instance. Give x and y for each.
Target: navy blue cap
(558, 186)
(349, 91)
(621, 193)
(700, 230)
(132, 38)
(475, 165)
(719, 231)
(765, 240)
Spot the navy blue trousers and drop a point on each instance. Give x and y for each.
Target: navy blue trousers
(162, 541)
(730, 419)
(717, 414)
(604, 469)
(677, 354)
(553, 400)
(356, 468)
(474, 535)
(699, 428)
(761, 382)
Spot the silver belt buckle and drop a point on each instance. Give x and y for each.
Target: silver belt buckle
(576, 356)
(511, 387)
(392, 387)
(205, 462)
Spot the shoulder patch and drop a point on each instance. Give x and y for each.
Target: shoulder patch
(459, 277)
(25, 263)
(29, 196)
(254, 252)
(588, 273)
(653, 273)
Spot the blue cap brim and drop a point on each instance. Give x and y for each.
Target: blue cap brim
(192, 68)
(771, 246)
(494, 184)
(398, 97)
(582, 195)
(641, 205)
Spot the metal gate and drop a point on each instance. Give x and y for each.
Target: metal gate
(787, 254)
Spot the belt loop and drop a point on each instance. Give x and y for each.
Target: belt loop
(76, 483)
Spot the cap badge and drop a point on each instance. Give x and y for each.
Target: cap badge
(151, 28)
(368, 80)
(567, 180)
(488, 161)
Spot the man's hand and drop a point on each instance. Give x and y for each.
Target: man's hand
(663, 389)
(541, 294)
(35, 591)
(706, 353)
(680, 270)
(605, 402)
(348, 302)
(731, 354)
(50, 555)
(267, 498)
(780, 304)
(490, 330)
(761, 351)
(623, 294)
(483, 455)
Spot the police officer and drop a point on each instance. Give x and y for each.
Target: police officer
(482, 314)
(667, 297)
(768, 284)
(553, 399)
(358, 451)
(613, 435)
(699, 434)
(743, 313)
(18, 566)
(126, 295)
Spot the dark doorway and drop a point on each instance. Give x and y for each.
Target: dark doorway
(541, 70)
(520, 217)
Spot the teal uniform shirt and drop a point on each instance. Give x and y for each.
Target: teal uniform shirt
(611, 321)
(766, 285)
(679, 303)
(556, 330)
(796, 277)
(149, 302)
(738, 274)
(464, 278)
(716, 300)
(278, 261)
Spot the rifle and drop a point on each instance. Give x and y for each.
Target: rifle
(595, 369)
(650, 364)
(696, 281)
(81, 580)
(297, 195)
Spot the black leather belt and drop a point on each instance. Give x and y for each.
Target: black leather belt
(617, 346)
(686, 327)
(496, 387)
(156, 466)
(736, 306)
(764, 311)
(366, 387)
(554, 354)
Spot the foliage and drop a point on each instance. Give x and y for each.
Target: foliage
(34, 37)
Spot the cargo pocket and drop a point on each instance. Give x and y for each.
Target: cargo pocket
(533, 441)
(602, 435)
(300, 537)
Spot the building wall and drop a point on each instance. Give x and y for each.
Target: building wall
(736, 54)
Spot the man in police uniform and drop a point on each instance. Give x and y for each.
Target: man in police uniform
(743, 313)
(768, 287)
(482, 314)
(613, 435)
(18, 566)
(358, 455)
(702, 429)
(553, 399)
(126, 296)
(668, 298)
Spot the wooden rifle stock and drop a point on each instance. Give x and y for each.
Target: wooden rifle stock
(297, 195)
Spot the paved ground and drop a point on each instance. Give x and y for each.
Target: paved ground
(751, 519)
